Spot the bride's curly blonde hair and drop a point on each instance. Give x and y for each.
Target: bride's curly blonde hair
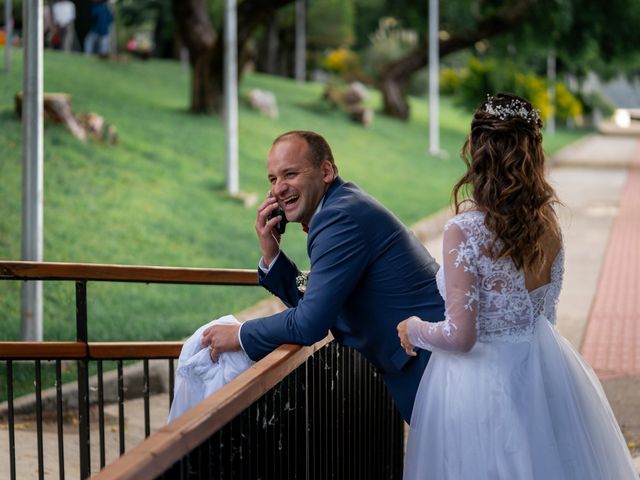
(505, 179)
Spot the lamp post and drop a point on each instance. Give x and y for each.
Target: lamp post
(231, 94)
(434, 54)
(551, 90)
(300, 58)
(32, 167)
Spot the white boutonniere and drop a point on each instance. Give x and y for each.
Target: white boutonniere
(301, 281)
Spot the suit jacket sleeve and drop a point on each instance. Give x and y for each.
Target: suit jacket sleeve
(281, 280)
(339, 256)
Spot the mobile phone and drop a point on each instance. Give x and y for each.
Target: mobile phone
(282, 224)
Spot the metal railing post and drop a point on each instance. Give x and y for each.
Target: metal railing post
(82, 335)
(11, 421)
(59, 418)
(39, 421)
(307, 421)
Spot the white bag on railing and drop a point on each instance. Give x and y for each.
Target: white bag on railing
(197, 376)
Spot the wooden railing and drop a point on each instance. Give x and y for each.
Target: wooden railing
(125, 273)
(82, 350)
(302, 412)
(16, 354)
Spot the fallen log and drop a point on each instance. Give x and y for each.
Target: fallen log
(57, 109)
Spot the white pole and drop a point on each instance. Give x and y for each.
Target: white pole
(551, 81)
(300, 59)
(8, 34)
(32, 167)
(231, 94)
(434, 121)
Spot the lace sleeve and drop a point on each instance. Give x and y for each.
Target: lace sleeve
(458, 330)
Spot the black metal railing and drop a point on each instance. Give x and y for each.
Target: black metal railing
(331, 418)
(302, 412)
(48, 358)
(86, 354)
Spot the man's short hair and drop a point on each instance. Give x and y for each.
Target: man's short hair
(319, 149)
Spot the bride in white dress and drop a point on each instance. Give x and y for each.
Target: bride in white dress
(504, 396)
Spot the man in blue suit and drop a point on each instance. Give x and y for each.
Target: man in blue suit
(368, 271)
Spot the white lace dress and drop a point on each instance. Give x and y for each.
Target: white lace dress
(504, 396)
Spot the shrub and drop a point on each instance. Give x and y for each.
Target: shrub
(568, 107)
(472, 84)
(389, 42)
(533, 88)
(476, 82)
(592, 102)
(343, 62)
(450, 80)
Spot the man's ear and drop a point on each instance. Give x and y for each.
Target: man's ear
(328, 174)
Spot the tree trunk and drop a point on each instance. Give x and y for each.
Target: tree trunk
(397, 74)
(197, 34)
(267, 51)
(395, 80)
(204, 99)
(394, 98)
(206, 48)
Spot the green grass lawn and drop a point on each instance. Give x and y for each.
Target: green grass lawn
(157, 197)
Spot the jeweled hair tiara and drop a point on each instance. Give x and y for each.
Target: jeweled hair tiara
(512, 109)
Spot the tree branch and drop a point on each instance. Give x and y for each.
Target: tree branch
(194, 24)
(397, 74)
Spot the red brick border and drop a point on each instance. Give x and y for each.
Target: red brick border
(612, 340)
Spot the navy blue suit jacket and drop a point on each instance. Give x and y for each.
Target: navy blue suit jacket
(368, 273)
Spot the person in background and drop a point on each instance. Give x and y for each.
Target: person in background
(101, 20)
(64, 16)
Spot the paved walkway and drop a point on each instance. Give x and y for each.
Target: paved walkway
(612, 340)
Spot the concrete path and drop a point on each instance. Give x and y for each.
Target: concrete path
(599, 308)
(612, 339)
(26, 446)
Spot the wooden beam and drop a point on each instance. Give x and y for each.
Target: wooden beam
(93, 350)
(42, 350)
(134, 350)
(32, 239)
(125, 273)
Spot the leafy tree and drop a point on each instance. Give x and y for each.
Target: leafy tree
(200, 25)
(585, 34)
(330, 23)
(388, 43)
(478, 21)
(156, 12)
(275, 43)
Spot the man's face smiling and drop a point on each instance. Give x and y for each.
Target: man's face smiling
(296, 183)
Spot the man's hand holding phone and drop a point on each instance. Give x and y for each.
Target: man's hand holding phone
(267, 219)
